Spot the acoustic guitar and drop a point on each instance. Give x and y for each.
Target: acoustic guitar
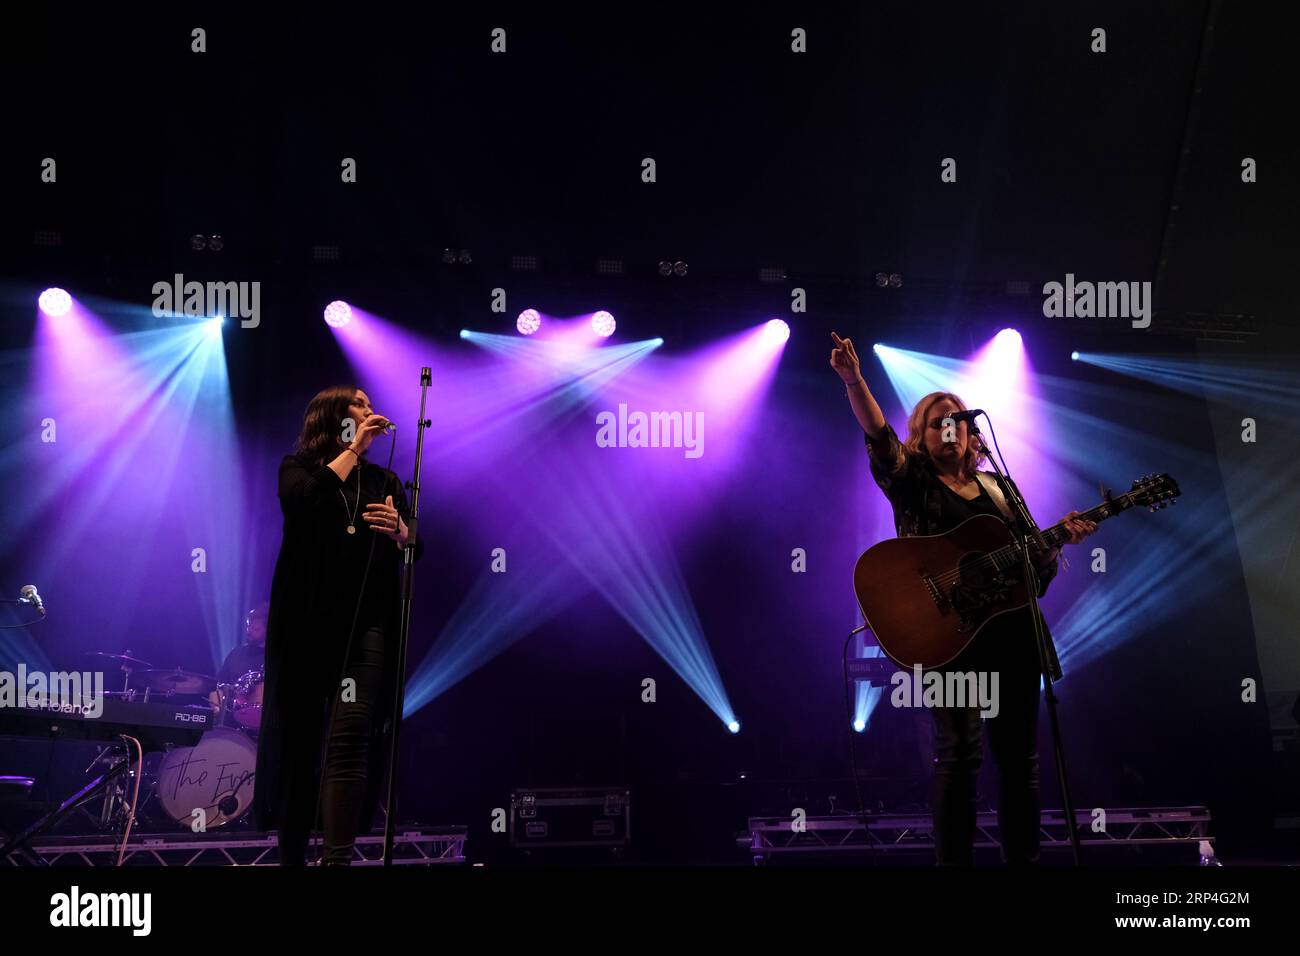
(925, 598)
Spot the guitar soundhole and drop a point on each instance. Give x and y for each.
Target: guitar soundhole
(976, 571)
(979, 585)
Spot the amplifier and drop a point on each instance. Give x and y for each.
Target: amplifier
(570, 816)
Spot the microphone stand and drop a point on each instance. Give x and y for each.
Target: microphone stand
(1026, 532)
(404, 630)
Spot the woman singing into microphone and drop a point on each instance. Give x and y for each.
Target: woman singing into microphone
(331, 631)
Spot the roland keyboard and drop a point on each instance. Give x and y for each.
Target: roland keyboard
(156, 723)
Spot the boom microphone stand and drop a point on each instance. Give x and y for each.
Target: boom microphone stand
(404, 630)
(1027, 531)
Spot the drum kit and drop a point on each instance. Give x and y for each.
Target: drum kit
(207, 785)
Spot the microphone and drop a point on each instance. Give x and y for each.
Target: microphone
(29, 595)
(390, 428)
(967, 416)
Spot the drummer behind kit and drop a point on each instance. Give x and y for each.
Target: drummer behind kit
(207, 782)
(239, 682)
(211, 783)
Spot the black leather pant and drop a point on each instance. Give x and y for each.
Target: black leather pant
(356, 715)
(1013, 740)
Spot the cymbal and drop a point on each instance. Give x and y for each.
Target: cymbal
(124, 658)
(177, 681)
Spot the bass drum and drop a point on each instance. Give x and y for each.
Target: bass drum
(209, 784)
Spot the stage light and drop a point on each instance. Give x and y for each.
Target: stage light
(859, 725)
(603, 324)
(656, 341)
(997, 378)
(338, 314)
(55, 302)
(166, 379)
(529, 321)
(1074, 356)
(588, 535)
(680, 268)
(216, 243)
(999, 371)
(734, 726)
(777, 330)
(464, 333)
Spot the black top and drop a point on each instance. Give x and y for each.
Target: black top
(314, 591)
(915, 491)
(954, 509)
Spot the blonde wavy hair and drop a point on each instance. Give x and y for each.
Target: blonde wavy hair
(915, 443)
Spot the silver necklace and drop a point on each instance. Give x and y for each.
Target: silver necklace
(352, 518)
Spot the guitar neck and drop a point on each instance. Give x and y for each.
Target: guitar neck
(1057, 534)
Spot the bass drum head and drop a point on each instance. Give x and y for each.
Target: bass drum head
(211, 783)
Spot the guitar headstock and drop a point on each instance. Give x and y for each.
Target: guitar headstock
(1154, 491)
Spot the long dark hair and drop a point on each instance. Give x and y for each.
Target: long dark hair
(322, 424)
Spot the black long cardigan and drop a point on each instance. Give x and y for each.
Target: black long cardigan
(313, 597)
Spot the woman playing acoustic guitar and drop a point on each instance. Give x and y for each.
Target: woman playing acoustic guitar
(930, 481)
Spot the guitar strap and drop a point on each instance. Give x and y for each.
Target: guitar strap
(990, 485)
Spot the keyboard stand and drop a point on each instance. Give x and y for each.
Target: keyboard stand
(54, 816)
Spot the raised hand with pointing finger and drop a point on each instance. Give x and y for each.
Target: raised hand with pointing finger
(844, 359)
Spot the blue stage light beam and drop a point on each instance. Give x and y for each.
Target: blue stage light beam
(500, 609)
(1260, 381)
(615, 540)
(132, 406)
